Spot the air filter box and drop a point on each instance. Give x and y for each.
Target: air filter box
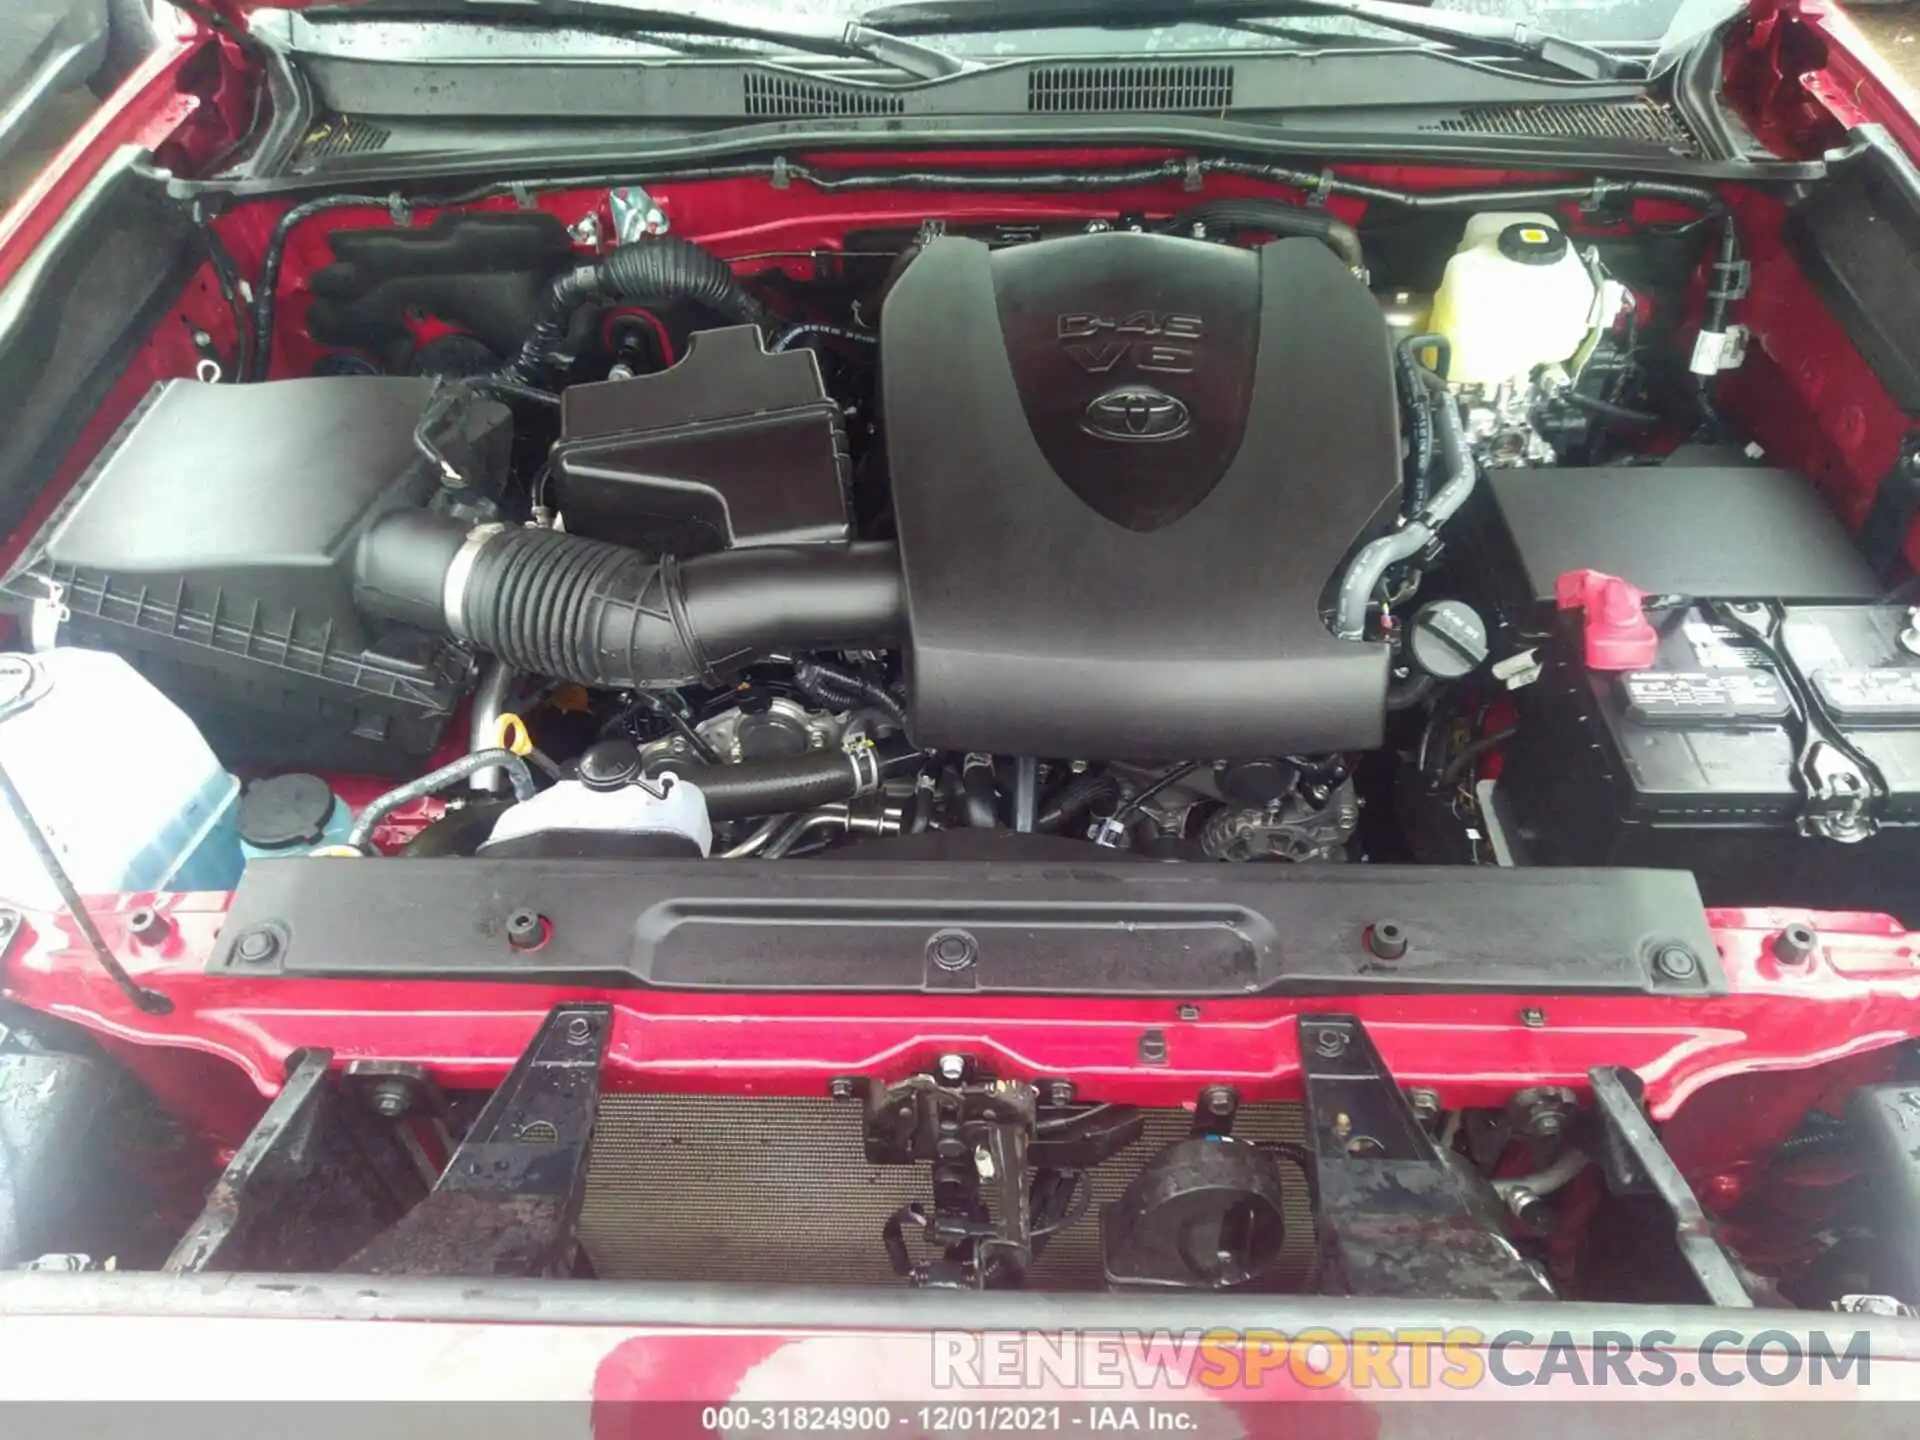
(212, 545)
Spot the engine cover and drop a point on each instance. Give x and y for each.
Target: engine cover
(1125, 468)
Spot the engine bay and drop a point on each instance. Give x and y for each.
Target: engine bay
(1216, 529)
(894, 696)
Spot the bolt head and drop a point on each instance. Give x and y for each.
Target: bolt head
(526, 930)
(256, 947)
(1677, 962)
(1220, 1100)
(840, 1088)
(390, 1100)
(1547, 1122)
(952, 1068)
(1387, 939)
(1059, 1092)
(1795, 944)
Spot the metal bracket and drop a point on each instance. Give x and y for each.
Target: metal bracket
(1635, 1162)
(509, 1198)
(1396, 1216)
(312, 1182)
(977, 1134)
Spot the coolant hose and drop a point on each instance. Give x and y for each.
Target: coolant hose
(1280, 218)
(801, 782)
(660, 267)
(1074, 800)
(361, 835)
(1363, 575)
(978, 793)
(601, 615)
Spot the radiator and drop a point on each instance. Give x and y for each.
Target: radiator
(777, 1190)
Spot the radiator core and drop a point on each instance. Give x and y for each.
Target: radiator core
(777, 1190)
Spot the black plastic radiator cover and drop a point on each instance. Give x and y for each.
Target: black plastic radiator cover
(1104, 928)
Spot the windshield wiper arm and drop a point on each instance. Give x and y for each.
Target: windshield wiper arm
(853, 40)
(1492, 34)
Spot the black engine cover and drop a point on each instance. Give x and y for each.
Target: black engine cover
(1125, 468)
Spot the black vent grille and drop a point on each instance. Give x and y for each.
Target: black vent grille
(1086, 89)
(783, 95)
(341, 135)
(1650, 121)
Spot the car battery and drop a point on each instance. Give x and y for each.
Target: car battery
(1780, 763)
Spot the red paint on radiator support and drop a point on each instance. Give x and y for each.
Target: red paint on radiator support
(1731, 1075)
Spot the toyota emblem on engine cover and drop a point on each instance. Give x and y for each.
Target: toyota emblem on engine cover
(1137, 412)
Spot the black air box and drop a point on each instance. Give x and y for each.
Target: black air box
(212, 544)
(1125, 468)
(729, 448)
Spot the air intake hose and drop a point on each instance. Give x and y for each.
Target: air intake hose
(601, 615)
(661, 267)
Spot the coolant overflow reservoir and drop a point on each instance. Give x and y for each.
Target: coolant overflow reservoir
(1515, 296)
(611, 810)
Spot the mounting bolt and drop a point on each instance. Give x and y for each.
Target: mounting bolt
(1533, 1017)
(1676, 962)
(952, 950)
(256, 947)
(579, 1030)
(840, 1087)
(390, 1098)
(1544, 1124)
(1219, 1100)
(1330, 1042)
(1387, 939)
(1795, 945)
(1059, 1092)
(526, 929)
(952, 1068)
(1425, 1102)
(148, 925)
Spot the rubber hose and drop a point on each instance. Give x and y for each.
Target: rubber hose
(1412, 691)
(1607, 410)
(1420, 409)
(1075, 800)
(982, 800)
(458, 833)
(1281, 219)
(1373, 561)
(436, 780)
(659, 268)
(801, 782)
(849, 690)
(603, 616)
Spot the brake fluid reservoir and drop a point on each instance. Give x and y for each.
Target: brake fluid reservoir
(117, 778)
(1515, 296)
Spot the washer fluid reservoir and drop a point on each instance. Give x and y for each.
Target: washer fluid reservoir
(1515, 296)
(117, 778)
